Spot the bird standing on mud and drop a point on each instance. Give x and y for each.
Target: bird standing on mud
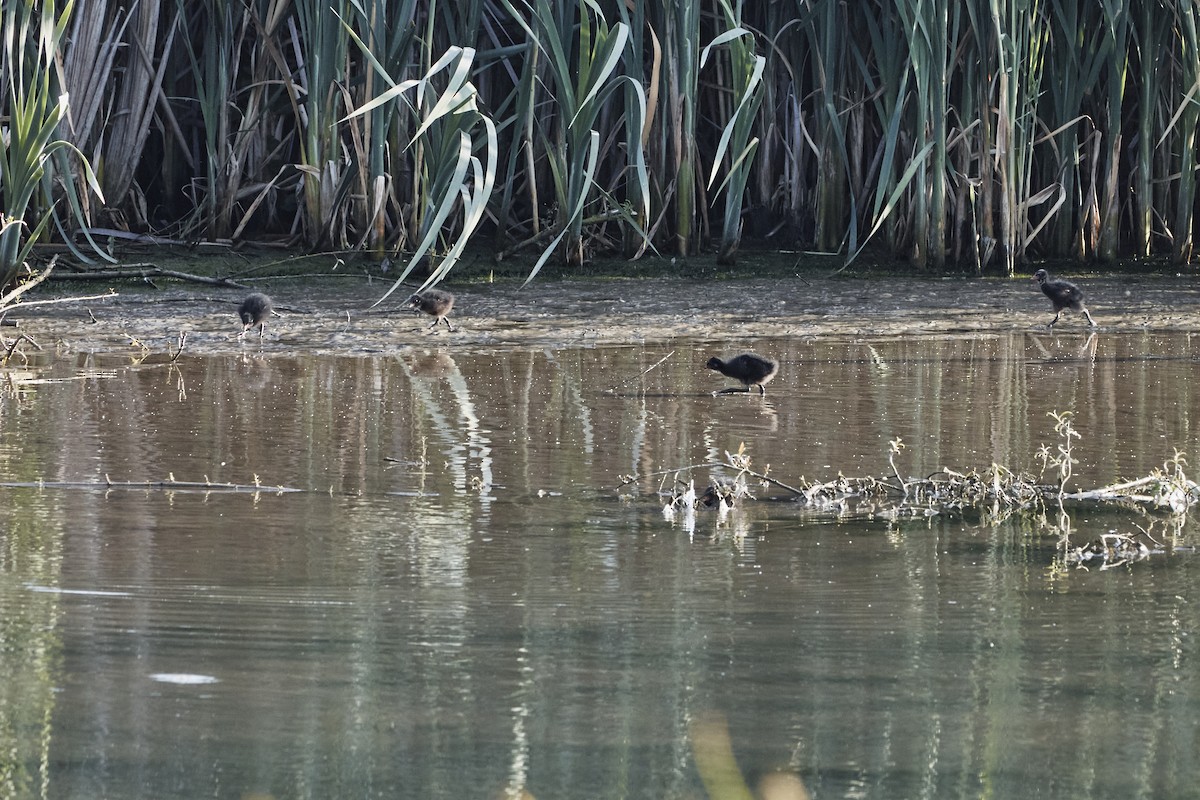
(254, 310)
(749, 368)
(1063, 294)
(435, 303)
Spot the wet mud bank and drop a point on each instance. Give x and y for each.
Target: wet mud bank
(338, 317)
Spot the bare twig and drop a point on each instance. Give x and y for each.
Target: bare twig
(632, 477)
(20, 337)
(628, 479)
(182, 342)
(641, 374)
(772, 481)
(894, 448)
(61, 300)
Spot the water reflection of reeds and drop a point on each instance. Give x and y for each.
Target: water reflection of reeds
(481, 635)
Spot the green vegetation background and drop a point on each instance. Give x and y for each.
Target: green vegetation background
(947, 135)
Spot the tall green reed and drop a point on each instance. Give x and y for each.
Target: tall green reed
(446, 122)
(682, 50)
(1020, 36)
(31, 154)
(835, 205)
(1116, 28)
(322, 42)
(924, 129)
(1183, 131)
(582, 61)
(737, 141)
(1153, 34)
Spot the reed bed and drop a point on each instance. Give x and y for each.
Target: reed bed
(970, 135)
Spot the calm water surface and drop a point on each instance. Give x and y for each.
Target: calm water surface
(462, 600)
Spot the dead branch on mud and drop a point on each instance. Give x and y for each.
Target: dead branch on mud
(145, 272)
(11, 298)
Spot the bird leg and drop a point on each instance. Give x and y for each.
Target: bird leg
(246, 329)
(1051, 323)
(448, 325)
(1091, 322)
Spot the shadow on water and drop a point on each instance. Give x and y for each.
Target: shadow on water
(460, 598)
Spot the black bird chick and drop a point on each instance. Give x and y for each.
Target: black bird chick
(1063, 294)
(749, 368)
(254, 310)
(435, 303)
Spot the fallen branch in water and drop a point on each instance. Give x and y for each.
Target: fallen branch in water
(739, 462)
(23, 337)
(1108, 551)
(994, 494)
(1159, 488)
(169, 484)
(998, 489)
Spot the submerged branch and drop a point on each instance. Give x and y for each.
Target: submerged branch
(732, 463)
(169, 484)
(23, 337)
(997, 492)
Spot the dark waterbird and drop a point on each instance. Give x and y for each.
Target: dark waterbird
(749, 368)
(435, 303)
(254, 310)
(1063, 294)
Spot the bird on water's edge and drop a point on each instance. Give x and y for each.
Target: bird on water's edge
(254, 310)
(750, 369)
(435, 303)
(1063, 294)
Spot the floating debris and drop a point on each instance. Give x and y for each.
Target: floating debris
(1110, 550)
(994, 494)
(183, 678)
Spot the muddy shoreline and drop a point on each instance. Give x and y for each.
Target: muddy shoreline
(335, 316)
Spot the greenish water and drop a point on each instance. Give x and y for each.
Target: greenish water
(463, 600)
